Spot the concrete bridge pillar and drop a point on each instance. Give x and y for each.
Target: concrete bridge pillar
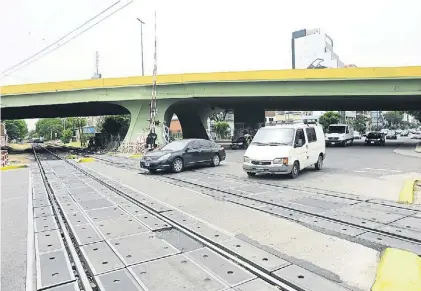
(249, 118)
(192, 115)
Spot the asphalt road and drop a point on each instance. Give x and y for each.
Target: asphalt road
(373, 171)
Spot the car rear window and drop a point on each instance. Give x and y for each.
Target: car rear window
(374, 135)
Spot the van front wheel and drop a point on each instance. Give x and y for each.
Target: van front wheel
(295, 170)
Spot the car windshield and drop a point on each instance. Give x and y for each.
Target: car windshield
(374, 135)
(175, 145)
(274, 136)
(337, 129)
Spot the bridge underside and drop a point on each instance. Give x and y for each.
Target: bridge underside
(193, 112)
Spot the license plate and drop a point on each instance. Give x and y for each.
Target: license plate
(259, 170)
(371, 141)
(333, 143)
(146, 164)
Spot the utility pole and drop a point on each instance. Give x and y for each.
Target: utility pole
(96, 75)
(153, 108)
(141, 42)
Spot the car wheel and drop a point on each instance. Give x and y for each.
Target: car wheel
(152, 171)
(215, 161)
(177, 165)
(319, 163)
(251, 174)
(295, 170)
(344, 144)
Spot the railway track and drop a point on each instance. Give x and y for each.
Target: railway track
(370, 230)
(86, 275)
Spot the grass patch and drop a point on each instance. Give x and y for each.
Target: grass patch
(20, 146)
(73, 144)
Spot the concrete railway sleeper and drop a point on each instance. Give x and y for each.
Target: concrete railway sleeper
(259, 272)
(392, 233)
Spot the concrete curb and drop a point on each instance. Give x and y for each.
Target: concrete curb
(86, 160)
(406, 196)
(13, 167)
(398, 270)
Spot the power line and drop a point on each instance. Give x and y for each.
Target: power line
(52, 46)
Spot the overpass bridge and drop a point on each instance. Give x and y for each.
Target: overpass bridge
(193, 97)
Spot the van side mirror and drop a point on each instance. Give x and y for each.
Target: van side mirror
(188, 149)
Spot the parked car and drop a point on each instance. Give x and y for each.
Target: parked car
(391, 135)
(285, 149)
(239, 143)
(357, 135)
(375, 138)
(181, 154)
(405, 132)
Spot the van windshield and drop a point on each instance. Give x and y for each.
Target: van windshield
(337, 129)
(274, 136)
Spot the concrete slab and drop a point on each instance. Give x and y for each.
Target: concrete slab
(255, 285)
(53, 269)
(133, 209)
(48, 241)
(152, 222)
(120, 227)
(106, 213)
(255, 255)
(179, 240)
(118, 280)
(388, 241)
(75, 218)
(43, 211)
(86, 234)
(140, 248)
(307, 280)
(45, 223)
(413, 223)
(96, 204)
(66, 287)
(176, 273)
(101, 258)
(220, 267)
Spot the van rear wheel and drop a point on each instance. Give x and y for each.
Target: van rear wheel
(319, 164)
(251, 174)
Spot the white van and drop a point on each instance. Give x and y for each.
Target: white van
(285, 149)
(340, 134)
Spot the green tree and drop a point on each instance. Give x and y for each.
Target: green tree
(66, 135)
(117, 124)
(49, 128)
(221, 128)
(360, 123)
(393, 118)
(16, 128)
(329, 118)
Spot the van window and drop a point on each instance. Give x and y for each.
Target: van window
(300, 135)
(337, 129)
(311, 134)
(267, 135)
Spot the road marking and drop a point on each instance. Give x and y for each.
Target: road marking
(386, 170)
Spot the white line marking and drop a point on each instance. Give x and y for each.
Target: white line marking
(30, 242)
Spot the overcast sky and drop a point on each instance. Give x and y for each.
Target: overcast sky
(201, 36)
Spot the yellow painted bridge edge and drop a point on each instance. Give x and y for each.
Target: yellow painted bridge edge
(398, 270)
(13, 167)
(407, 192)
(246, 76)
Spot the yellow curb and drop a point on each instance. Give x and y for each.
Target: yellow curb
(86, 160)
(136, 156)
(406, 195)
(13, 167)
(398, 270)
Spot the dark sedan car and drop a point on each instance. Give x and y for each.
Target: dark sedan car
(376, 138)
(181, 154)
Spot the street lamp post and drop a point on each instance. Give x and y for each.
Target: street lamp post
(141, 42)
